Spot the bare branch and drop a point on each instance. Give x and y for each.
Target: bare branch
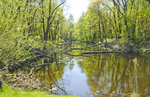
(57, 7)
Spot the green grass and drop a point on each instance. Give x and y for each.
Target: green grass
(134, 95)
(8, 92)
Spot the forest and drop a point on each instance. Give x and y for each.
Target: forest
(36, 33)
(120, 20)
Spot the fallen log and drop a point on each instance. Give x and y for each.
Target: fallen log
(99, 52)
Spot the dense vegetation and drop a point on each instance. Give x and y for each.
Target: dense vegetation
(122, 20)
(37, 30)
(28, 27)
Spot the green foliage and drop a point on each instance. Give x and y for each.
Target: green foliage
(134, 95)
(111, 20)
(26, 24)
(68, 34)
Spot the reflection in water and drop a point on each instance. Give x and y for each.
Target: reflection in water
(49, 75)
(106, 75)
(75, 80)
(119, 76)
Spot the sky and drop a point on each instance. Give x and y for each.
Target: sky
(76, 8)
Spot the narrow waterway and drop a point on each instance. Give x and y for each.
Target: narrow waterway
(75, 80)
(101, 75)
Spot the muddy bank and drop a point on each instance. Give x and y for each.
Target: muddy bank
(26, 81)
(112, 47)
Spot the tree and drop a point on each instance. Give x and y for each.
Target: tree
(24, 25)
(124, 20)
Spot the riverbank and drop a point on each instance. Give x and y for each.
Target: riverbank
(23, 81)
(108, 47)
(92, 57)
(6, 91)
(113, 46)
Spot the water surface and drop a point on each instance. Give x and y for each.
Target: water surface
(100, 75)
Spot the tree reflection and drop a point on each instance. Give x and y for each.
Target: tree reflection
(50, 74)
(110, 74)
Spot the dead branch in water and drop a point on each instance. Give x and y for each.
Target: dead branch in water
(99, 52)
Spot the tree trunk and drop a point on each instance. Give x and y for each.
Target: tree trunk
(99, 28)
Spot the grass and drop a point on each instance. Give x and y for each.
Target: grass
(134, 95)
(8, 92)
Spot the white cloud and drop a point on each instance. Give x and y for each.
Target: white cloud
(76, 8)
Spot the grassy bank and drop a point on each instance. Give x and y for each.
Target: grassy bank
(8, 92)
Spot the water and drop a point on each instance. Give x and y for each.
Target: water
(100, 75)
(75, 80)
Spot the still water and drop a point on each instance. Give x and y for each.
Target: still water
(99, 75)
